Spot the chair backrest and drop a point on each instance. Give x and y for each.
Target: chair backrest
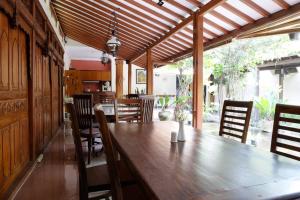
(286, 131)
(83, 185)
(113, 171)
(84, 109)
(104, 97)
(148, 105)
(235, 119)
(133, 96)
(128, 110)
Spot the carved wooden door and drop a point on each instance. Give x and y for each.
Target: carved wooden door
(46, 100)
(38, 101)
(14, 123)
(55, 97)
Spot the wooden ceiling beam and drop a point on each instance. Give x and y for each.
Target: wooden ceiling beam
(142, 16)
(161, 52)
(175, 43)
(282, 4)
(224, 19)
(260, 24)
(96, 29)
(275, 32)
(170, 47)
(186, 36)
(179, 6)
(257, 8)
(237, 12)
(125, 42)
(164, 49)
(195, 3)
(151, 27)
(102, 22)
(99, 11)
(214, 25)
(287, 27)
(206, 8)
(163, 8)
(187, 43)
(148, 10)
(205, 31)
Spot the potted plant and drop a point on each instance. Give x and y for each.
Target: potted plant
(164, 115)
(266, 110)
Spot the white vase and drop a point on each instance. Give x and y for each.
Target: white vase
(181, 136)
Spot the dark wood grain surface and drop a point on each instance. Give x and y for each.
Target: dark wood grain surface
(204, 167)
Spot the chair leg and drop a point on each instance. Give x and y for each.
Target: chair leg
(89, 149)
(93, 148)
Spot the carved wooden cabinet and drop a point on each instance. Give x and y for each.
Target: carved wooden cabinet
(14, 122)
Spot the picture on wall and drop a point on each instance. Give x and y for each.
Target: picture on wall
(141, 76)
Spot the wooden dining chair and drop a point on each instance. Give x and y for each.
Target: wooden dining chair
(133, 96)
(88, 129)
(286, 131)
(235, 119)
(148, 105)
(105, 97)
(118, 193)
(96, 178)
(128, 110)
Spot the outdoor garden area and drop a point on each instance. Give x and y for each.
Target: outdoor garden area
(240, 70)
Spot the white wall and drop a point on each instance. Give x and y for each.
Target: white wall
(164, 84)
(291, 88)
(268, 82)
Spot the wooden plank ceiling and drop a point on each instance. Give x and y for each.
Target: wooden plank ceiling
(168, 29)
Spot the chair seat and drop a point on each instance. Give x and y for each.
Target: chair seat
(98, 177)
(86, 133)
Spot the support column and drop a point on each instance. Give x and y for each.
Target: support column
(149, 67)
(119, 78)
(129, 77)
(281, 79)
(198, 71)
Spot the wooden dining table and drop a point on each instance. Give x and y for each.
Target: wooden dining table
(204, 167)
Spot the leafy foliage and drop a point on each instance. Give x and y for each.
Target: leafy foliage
(164, 102)
(265, 107)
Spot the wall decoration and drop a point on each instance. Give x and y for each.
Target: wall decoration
(141, 76)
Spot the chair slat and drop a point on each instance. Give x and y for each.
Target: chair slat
(233, 135)
(233, 122)
(287, 155)
(291, 120)
(289, 128)
(287, 137)
(232, 129)
(236, 111)
(239, 108)
(234, 117)
(288, 146)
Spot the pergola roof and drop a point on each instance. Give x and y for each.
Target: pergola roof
(168, 29)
